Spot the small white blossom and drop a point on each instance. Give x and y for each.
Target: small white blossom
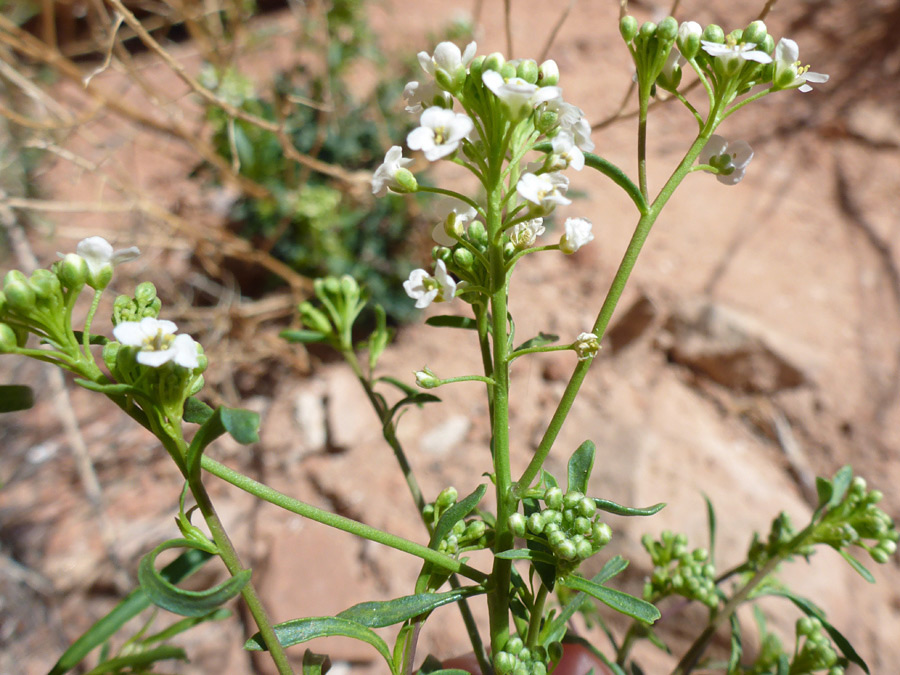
(425, 289)
(517, 93)
(689, 30)
(524, 235)
(788, 71)
(577, 234)
(384, 176)
(454, 216)
(447, 57)
(546, 190)
(732, 50)
(441, 132)
(427, 379)
(569, 154)
(571, 120)
(420, 95)
(101, 258)
(586, 345)
(157, 342)
(731, 159)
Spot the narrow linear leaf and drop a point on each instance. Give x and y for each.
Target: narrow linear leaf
(185, 624)
(448, 321)
(858, 566)
(784, 665)
(617, 600)
(315, 664)
(136, 602)
(737, 646)
(810, 609)
(839, 485)
(538, 341)
(136, 662)
(456, 513)
(711, 524)
(581, 463)
(14, 397)
(302, 630)
(619, 510)
(526, 554)
(390, 612)
(418, 398)
(185, 603)
(407, 389)
(303, 336)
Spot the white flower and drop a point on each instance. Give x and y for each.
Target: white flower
(524, 235)
(731, 51)
(517, 93)
(731, 159)
(788, 71)
(454, 216)
(571, 120)
(586, 345)
(419, 95)
(545, 190)
(427, 379)
(578, 233)
(568, 153)
(441, 132)
(425, 289)
(672, 65)
(157, 342)
(384, 176)
(447, 57)
(99, 254)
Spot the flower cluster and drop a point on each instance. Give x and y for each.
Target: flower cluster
(816, 653)
(465, 535)
(470, 106)
(569, 525)
(677, 571)
(517, 659)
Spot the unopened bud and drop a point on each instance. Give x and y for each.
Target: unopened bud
(553, 498)
(72, 271)
(8, 341)
(19, 295)
(477, 234)
(667, 29)
(628, 28)
(463, 258)
(494, 61)
(755, 32)
(145, 294)
(688, 40)
(548, 73)
(427, 379)
(528, 71)
(404, 181)
(713, 33)
(314, 318)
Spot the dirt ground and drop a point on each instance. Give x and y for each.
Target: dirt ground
(758, 346)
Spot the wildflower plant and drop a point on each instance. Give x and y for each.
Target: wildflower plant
(506, 123)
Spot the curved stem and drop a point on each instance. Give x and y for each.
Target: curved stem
(452, 193)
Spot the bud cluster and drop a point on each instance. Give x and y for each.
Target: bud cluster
(856, 519)
(466, 535)
(569, 525)
(781, 538)
(678, 571)
(816, 653)
(145, 303)
(517, 659)
(343, 300)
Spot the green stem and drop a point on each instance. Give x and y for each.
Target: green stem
(361, 530)
(538, 350)
(643, 105)
(466, 378)
(89, 319)
(609, 304)
(537, 614)
(454, 194)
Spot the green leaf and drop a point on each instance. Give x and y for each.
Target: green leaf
(196, 411)
(137, 662)
(784, 665)
(303, 336)
(301, 630)
(737, 647)
(539, 341)
(619, 601)
(527, 554)
(858, 566)
(418, 398)
(448, 321)
(810, 609)
(315, 664)
(93, 339)
(390, 612)
(163, 593)
(15, 397)
(824, 490)
(581, 463)
(133, 604)
(185, 624)
(243, 425)
(839, 484)
(456, 513)
(619, 510)
(548, 479)
(711, 524)
(407, 389)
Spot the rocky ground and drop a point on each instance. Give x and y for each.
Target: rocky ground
(758, 346)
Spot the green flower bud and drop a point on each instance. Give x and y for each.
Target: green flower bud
(476, 66)
(46, 286)
(688, 40)
(628, 28)
(768, 46)
(535, 523)
(525, 654)
(568, 515)
(602, 534)
(475, 529)
(349, 289)
(551, 516)
(713, 33)
(459, 527)
(647, 31)
(879, 555)
(19, 295)
(3, 303)
(477, 234)
(528, 71)
(427, 379)
(404, 181)
(516, 524)
(667, 29)
(110, 355)
(548, 73)
(514, 645)
(700, 554)
(8, 341)
(504, 663)
(521, 669)
(755, 32)
(494, 61)
(508, 71)
(805, 626)
(556, 538)
(463, 258)
(446, 499)
(565, 550)
(587, 507)
(72, 271)
(553, 498)
(572, 498)
(314, 318)
(538, 668)
(555, 652)
(888, 546)
(584, 550)
(583, 525)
